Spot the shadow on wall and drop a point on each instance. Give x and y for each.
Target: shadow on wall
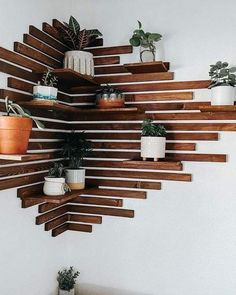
(88, 289)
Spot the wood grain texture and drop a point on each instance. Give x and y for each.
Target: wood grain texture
(159, 96)
(51, 215)
(59, 230)
(125, 49)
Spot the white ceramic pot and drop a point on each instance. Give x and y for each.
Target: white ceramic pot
(222, 95)
(54, 186)
(153, 147)
(63, 292)
(79, 61)
(44, 92)
(75, 178)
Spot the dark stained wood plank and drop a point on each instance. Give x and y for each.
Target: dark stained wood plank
(109, 60)
(51, 215)
(56, 222)
(197, 157)
(85, 218)
(50, 30)
(99, 201)
(59, 230)
(110, 70)
(15, 96)
(218, 108)
(117, 193)
(147, 67)
(159, 96)
(111, 50)
(80, 227)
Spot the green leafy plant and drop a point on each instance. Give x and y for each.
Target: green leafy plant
(67, 278)
(57, 171)
(76, 38)
(153, 130)
(16, 110)
(76, 147)
(108, 89)
(222, 75)
(144, 39)
(49, 79)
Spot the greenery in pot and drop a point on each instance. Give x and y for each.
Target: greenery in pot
(109, 90)
(67, 278)
(49, 79)
(145, 40)
(222, 75)
(57, 171)
(152, 130)
(74, 37)
(76, 147)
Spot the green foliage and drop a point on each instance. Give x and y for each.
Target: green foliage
(16, 110)
(108, 89)
(49, 79)
(222, 75)
(153, 130)
(76, 38)
(67, 278)
(76, 147)
(144, 39)
(56, 171)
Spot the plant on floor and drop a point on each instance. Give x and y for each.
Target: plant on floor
(67, 278)
(146, 41)
(152, 130)
(222, 75)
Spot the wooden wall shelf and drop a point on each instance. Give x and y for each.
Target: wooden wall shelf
(25, 157)
(215, 108)
(147, 67)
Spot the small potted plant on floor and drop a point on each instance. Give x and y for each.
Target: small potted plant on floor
(75, 148)
(46, 89)
(153, 140)
(77, 59)
(109, 97)
(15, 128)
(146, 41)
(55, 183)
(66, 281)
(223, 81)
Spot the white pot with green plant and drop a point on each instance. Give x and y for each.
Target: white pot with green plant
(147, 43)
(55, 183)
(66, 279)
(223, 81)
(153, 140)
(77, 59)
(46, 90)
(75, 148)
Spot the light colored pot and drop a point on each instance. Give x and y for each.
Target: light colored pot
(75, 178)
(62, 292)
(153, 147)
(222, 95)
(79, 61)
(44, 92)
(54, 186)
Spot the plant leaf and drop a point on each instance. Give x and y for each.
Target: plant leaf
(93, 33)
(74, 26)
(139, 24)
(83, 40)
(135, 41)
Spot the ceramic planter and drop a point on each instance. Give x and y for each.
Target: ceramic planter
(14, 135)
(153, 147)
(44, 92)
(222, 95)
(75, 178)
(110, 101)
(54, 186)
(63, 292)
(79, 61)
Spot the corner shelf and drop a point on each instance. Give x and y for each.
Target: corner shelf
(219, 108)
(25, 157)
(147, 67)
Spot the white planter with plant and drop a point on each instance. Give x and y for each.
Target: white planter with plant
(223, 81)
(153, 140)
(75, 148)
(45, 90)
(55, 183)
(66, 281)
(77, 59)
(146, 41)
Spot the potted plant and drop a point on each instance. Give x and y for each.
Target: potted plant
(222, 83)
(46, 89)
(75, 148)
(66, 281)
(15, 128)
(146, 42)
(109, 97)
(153, 140)
(55, 183)
(77, 39)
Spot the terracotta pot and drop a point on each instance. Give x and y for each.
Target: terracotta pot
(14, 135)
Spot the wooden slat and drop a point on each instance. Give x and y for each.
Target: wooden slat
(197, 157)
(109, 60)
(99, 201)
(59, 230)
(25, 157)
(16, 96)
(80, 227)
(218, 108)
(56, 222)
(85, 218)
(51, 215)
(29, 203)
(147, 67)
(47, 135)
(20, 85)
(117, 193)
(111, 50)
(110, 70)
(159, 96)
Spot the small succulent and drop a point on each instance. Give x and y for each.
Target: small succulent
(222, 75)
(49, 79)
(108, 89)
(153, 130)
(67, 278)
(56, 171)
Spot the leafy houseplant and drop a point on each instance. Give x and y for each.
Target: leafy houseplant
(153, 140)
(223, 81)
(66, 281)
(77, 39)
(75, 148)
(109, 97)
(46, 89)
(15, 128)
(146, 42)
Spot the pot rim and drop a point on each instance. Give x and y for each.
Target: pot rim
(79, 169)
(153, 136)
(79, 51)
(45, 86)
(55, 179)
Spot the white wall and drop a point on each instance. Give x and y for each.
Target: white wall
(182, 240)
